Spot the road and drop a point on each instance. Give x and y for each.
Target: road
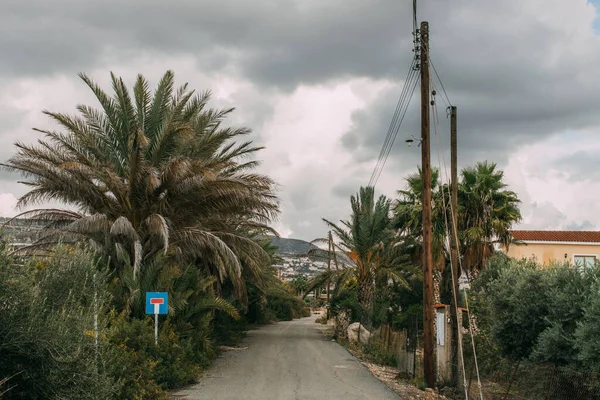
(288, 360)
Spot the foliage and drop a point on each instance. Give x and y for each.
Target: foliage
(347, 301)
(407, 305)
(486, 211)
(408, 216)
(364, 239)
(377, 352)
(151, 173)
(587, 342)
(285, 305)
(169, 364)
(538, 314)
(300, 284)
(165, 198)
(47, 315)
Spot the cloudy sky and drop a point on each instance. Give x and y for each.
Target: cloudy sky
(318, 81)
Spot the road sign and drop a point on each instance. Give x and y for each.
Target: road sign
(157, 302)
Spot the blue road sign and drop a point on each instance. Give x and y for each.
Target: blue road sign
(157, 302)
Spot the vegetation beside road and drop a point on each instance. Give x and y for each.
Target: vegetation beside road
(538, 327)
(162, 196)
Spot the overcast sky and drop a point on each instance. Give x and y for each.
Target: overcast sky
(317, 81)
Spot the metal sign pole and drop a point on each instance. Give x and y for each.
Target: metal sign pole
(156, 324)
(157, 303)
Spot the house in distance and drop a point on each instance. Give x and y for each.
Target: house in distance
(580, 248)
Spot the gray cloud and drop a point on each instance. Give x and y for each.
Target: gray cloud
(509, 93)
(580, 167)
(281, 43)
(517, 78)
(581, 226)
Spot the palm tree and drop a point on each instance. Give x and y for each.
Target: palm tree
(299, 284)
(363, 238)
(487, 210)
(147, 174)
(408, 216)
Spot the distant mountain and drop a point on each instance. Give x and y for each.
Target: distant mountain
(291, 246)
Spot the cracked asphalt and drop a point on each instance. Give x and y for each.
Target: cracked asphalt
(287, 360)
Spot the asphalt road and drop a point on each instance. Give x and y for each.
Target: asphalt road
(288, 360)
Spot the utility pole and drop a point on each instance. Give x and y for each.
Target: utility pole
(328, 272)
(456, 336)
(428, 362)
(337, 270)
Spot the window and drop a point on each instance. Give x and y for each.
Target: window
(584, 261)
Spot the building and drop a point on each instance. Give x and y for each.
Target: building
(577, 247)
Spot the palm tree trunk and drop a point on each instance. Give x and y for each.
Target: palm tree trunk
(365, 296)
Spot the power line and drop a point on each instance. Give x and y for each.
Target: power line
(402, 105)
(399, 113)
(394, 125)
(396, 130)
(441, 83)
(455, 237)
(394, 118)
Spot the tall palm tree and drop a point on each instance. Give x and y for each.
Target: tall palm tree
(487, 210)
(150, 173)
(408, 216)
(363, 238)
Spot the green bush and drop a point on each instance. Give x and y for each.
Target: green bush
(587, 340)
(376, 352)
(168, 365)
(347, 301)
(284, 305)
(537, 314)
(48, 310)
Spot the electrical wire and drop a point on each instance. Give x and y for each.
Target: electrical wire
(397, 119)
(455, 236)
(401, 107)
(447, 236)
(441, 83)
(394, 119)
(395, 133)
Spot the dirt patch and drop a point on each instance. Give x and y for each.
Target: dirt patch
(405, 390)
(389, 376)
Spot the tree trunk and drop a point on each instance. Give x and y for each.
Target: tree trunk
(365, 296)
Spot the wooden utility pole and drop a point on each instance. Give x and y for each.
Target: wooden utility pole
(328, 271)
(428, 361)
(335, 262)
(455, 333)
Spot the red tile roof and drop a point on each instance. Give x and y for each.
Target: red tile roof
(557, 236)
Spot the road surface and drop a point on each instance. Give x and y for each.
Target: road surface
(288, 360)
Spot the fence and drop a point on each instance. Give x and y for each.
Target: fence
(407, 346)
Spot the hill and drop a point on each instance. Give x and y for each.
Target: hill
(290, 246)
(294, 259)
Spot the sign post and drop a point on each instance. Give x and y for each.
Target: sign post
(157, 303)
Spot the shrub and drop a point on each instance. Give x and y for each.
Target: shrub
(587, 340)
(285, 305)
(543, 316)
(347, 301)
(377, 352)
(48, 311)
(148, 366)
